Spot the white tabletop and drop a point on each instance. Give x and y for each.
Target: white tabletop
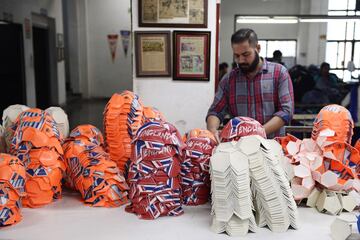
(69, 218)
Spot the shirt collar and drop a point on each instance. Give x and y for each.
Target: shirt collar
(264, 67)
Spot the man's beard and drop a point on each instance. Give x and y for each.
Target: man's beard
(246, 68)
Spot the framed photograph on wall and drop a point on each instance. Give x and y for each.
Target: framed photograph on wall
(152, 54)
(191, 55)
(173, 13)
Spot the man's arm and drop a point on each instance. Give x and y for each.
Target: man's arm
(273, 125)
(219, 107)
(285, 104)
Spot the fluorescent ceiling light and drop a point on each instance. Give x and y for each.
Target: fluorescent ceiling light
(313, 20)
(294, 19)
(281, 20)
(325, 20)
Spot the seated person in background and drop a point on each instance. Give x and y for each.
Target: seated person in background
(326, 88)
(303, 81)
(223, 69)
(325, 79)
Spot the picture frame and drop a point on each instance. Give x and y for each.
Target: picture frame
(152, 53)
(173, 13)
(191, 55)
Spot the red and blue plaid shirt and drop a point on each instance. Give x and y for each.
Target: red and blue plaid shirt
(268, 94)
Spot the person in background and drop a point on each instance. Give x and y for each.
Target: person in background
(223, 69)
(258, 89)
(234, 65)
(326, 90)
(325, 79)
(277, 57)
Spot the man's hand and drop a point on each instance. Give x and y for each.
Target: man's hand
(213, 124)
(216, 134)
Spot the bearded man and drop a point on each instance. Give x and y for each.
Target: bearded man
(256, 88)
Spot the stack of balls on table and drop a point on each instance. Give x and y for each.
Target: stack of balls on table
(154, 172)
(41, 157)
(45, 158)
(32, 138)
(123, 116)
(12, 183)
(249, 188)
(326, 160)
(195, 177)
(90, 171)
(165, 171)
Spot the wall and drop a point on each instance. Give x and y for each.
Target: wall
(317, 46)
(91, 70)
(76, 41)
(108, 17)
(22, 9)
(310, 49)
(71, 38)
(257, 7)
(184, 103)
(83, 48)
(303, 33)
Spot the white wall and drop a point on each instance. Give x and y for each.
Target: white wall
(71, 38)
(91, 70)
(108, 17)
(22, 9)
(256, 7)
(310, 49)
(83, 47)
(316, 46)
(184, 103)
(303, 33)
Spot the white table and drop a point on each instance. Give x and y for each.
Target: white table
(69, 218)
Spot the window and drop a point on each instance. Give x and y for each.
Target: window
(343, 39)
(287, 47)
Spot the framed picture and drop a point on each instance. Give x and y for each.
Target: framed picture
(152, 53)
(173, 13)
(191, 55)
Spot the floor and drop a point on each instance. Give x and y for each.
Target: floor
(86, 111)
(69, 218)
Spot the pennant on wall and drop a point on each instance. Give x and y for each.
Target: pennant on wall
(27, 28)
(113, 39)
(125, 38)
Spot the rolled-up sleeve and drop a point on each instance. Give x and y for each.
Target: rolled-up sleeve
(219, 107)
(286, 97)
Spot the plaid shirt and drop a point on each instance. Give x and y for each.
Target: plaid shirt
(268, 94)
